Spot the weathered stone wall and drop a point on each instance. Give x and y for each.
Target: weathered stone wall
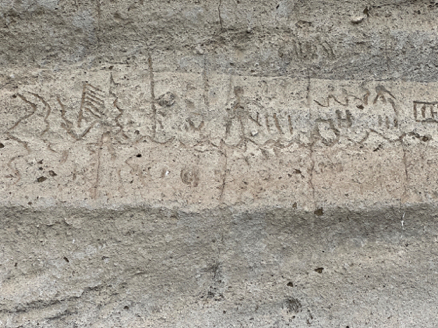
(218, 164)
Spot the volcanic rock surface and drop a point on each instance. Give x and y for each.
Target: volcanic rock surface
(228, 163)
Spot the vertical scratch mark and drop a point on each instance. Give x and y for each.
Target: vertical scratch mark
(394, 107)
(98, 13)
(230, 87)
(267, 123)
(112, 84)
(387, 51)
(415, 110)
(312, 169)
(98, 166)
(309, 101)
(224, 177)
(277, 123)
(291, 129)
(69, 123)
(228, 127)
(121, 188)
(153, 107)
(405, 164)
(81, 111)
(311, 155)
(220, 15)
(365, 97)
(121, 111)
(206, 85)
(49, 110)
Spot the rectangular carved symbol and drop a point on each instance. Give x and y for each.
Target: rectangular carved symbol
(426, 111)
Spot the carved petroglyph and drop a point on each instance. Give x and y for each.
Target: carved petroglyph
(426, 111)
(94, 127)
(307, 50)
(92, 102)
(326, 131)
(248, 120)
(190, 176)
(166, 100)
(245, 118)
(355, 115)
(104, 133)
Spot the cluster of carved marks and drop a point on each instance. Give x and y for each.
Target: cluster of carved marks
(364, 113)
(426, 111)
(92, 102)
(307, 50)
(247, 120)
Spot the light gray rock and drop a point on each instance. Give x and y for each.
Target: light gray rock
(218, 164)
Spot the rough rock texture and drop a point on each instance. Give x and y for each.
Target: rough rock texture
(228, 163)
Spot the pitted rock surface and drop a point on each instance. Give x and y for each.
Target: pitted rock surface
(226, 163)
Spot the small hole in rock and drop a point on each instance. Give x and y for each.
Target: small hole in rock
(319, 212)
(66, 259)
(2, 145)
(138, 155)
(15, 265)
(290, 284)
(52, 173)
(41, 179)
(126, 307)
(425, 138)
(319, 270)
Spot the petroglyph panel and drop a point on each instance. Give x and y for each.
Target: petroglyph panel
(123, 133)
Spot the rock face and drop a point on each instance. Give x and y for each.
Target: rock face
(226, 163)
